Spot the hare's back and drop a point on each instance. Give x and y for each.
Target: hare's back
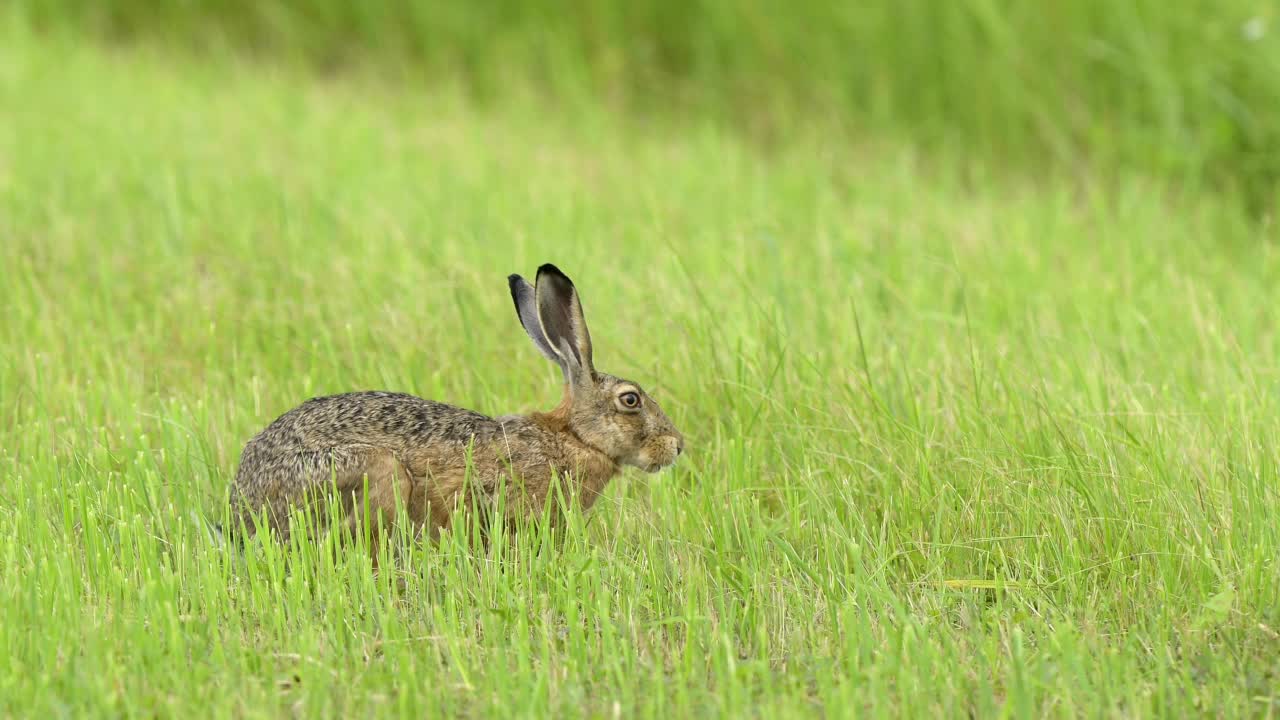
(376, 418)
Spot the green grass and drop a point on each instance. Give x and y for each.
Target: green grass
(957, 443)
(1188, 88)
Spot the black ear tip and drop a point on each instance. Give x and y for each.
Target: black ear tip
(515, 282)
(550, 269)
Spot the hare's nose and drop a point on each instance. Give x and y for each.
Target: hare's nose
(679, 446)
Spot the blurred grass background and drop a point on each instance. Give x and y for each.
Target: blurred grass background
(1188, 89)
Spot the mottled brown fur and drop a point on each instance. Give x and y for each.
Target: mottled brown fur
(377, 452)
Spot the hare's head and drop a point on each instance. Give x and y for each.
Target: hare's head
(613, 415)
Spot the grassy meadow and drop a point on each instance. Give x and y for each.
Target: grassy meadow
(966, 436)
(1188, 90)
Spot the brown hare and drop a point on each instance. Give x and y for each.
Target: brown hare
(374, 452)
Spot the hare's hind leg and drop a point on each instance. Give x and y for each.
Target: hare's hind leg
(373, 485)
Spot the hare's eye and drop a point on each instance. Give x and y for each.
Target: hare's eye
(629, 400)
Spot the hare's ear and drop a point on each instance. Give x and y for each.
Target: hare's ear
(522, 294)
(563, 323)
